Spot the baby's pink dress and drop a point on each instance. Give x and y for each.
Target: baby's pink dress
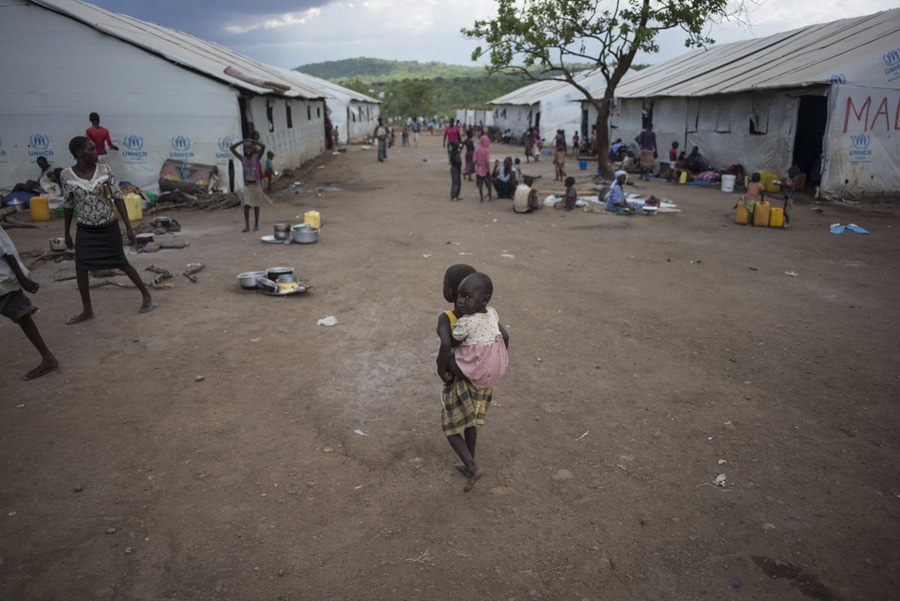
(481, 355)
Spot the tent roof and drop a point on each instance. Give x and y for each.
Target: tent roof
(182, 48)
(326, 88)
(533, 93)
(850, 51)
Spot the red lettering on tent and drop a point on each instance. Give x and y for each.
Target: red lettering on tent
(882, 110)
(858, 114)
(897, 116)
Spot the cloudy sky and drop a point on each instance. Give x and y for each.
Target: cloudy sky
(289, 33)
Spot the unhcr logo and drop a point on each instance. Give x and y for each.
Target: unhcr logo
(39, 141)
(181, 146)
(134, 149)
(181, 143)
(40, 144)
(892, 60)
(860, 151)
(224, 148)
(133, 142)
(837, 78)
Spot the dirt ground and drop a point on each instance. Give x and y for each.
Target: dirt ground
(225, 446)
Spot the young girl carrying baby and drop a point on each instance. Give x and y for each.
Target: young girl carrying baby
(478, 362)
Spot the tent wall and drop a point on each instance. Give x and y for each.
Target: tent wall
(516, 117)
(862, 146)
(293, 143)
(363, 119)
(153, 109)
(719, 125)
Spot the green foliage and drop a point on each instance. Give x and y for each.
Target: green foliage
(410, 88)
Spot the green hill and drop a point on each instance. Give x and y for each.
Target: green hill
(412, 88)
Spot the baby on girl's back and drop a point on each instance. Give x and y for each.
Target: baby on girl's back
(470, 368)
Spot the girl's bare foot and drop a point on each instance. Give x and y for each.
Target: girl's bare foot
(473, 479)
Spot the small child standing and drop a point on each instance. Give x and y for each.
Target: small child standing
(16, 306)
(253, 193)
(575, 143)
(270, 170)
(455, 170)
(470, 373)
(788, 187)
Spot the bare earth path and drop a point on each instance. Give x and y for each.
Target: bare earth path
(648, 355)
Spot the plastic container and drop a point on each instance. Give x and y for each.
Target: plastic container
(800, 181)
(682, 179)
(776, 217)
(40, 209)
(766, 179)
(133, 206)
(313, 218)
(728, 182)
(743, 215)
(761, 214)
(582, 165)
(61, 213)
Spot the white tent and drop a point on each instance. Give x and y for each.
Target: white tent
(825, 97)
(475, 117)
(549, 105)
(162, 93)
(354, 114)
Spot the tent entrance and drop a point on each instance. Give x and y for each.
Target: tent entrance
(812, 117)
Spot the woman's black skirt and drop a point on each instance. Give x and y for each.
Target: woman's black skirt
(99, 247)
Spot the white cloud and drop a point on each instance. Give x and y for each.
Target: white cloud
(275, 21)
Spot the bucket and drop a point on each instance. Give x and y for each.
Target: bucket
(582, 165)
(40, 209)
(313, 218)
(133, 206)
(728, 182)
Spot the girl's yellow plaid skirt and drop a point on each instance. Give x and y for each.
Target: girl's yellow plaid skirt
(464, 406)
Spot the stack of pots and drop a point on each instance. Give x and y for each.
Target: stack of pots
(282, 231)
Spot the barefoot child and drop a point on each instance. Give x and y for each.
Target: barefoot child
(470, 373)
(253, 193)
(15, 305)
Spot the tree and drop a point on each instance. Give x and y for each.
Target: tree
(413, 97)
(551, 34)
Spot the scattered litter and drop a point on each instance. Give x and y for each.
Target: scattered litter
(199, 378)
(421, 558)
(427, 256)
(22, 406)
(720, 480)
(508, 256)
(464, 253)
(327, 450)
(722, 462)
(329, 321)
(582, 436)
(360, 432)
(357, 487)
(837, 228)
(255, 339)
(295, 184)
(193, 268)
(735, 584)
(493, 220)
(791, 273)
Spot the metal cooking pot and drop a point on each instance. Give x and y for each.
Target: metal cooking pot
(20, 204)
(144, 238)
(282, 231)
(305, 235)
(273, 273)
(267, 285)
(58, 243)
(287, 283)
(249, 279)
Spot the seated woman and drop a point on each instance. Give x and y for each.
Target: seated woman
(615, 200)
(694, 162)
(505, 179)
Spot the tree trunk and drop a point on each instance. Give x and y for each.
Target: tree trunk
(602, 145)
